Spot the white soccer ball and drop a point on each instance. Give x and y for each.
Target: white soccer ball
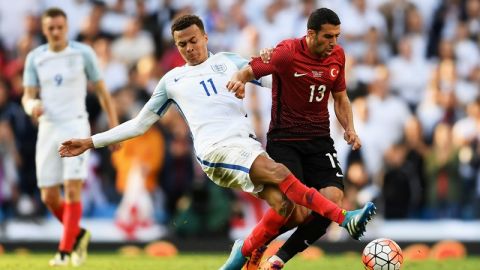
(382, 254)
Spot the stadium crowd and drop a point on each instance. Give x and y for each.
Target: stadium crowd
(413, 77)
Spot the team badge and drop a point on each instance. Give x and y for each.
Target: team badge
(334, 71)
(219, 68)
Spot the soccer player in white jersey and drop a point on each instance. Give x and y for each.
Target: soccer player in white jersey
(55, 81)
(223, 136)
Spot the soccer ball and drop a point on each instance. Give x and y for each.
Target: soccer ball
(382, 254)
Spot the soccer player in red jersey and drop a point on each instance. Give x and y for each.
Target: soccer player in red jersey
(305, 72)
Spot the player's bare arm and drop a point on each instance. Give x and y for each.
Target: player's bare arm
(106, 102)
(30, 102)
(107, 105)
(237, 82)
(343, 111)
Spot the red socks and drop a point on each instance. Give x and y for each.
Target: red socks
(310, 198)
(264, 231)
(71, 225)
(271, 222)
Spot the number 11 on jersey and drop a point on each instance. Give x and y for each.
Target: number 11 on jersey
(206, 88)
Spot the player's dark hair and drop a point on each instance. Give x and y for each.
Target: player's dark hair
(322, 16)
(186, 21)
(54, 12)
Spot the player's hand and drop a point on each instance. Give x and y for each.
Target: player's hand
(37, 111)
(237, 87)
(352, 139)
(75, 147)
(266, 54)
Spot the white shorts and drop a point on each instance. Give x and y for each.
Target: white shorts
(228, 165)
(53, 170)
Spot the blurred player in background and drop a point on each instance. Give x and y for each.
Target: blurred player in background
(222, 133)
(55, 81)
(305, 71)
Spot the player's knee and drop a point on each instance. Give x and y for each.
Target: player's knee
(73, 191)
(299, 215)
(72, 195)
(333, 194)
(286, 208)
(337, 199)
(51, 199)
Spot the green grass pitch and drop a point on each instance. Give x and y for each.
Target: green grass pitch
(112, 261)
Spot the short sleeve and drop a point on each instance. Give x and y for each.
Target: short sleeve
(159, 101)
(239, 61)
(92, 68)
(30, 77)
(339, 84)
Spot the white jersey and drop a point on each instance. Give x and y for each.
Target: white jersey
(212, 113)
(62, 79)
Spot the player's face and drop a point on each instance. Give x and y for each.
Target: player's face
(55, 30)
(191, 42)
(324, 40)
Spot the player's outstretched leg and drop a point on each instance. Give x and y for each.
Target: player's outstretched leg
(236, 259)
(80, 248)
(356, 221)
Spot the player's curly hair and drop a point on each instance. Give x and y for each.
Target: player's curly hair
(322, 16)
(185, 21)
(54, 12)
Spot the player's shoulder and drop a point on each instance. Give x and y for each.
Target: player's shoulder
(38, 50)
(170, 75)
(338, 52)
(289, 47)
(219, 59)
(225, 54)
(82, 47)
(291, 43)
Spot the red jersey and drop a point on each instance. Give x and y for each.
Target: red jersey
(301, 86)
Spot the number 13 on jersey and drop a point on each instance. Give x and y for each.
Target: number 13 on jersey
(317, 93)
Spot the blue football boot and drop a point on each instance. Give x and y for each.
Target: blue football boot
(356, 221)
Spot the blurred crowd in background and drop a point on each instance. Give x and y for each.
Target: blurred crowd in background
(413, 76)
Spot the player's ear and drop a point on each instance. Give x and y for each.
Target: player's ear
(311, 33)
(43, 27)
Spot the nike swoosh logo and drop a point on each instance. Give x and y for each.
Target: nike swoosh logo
(299, 74)
(176, 79)
(339, 175)
(306, 242)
